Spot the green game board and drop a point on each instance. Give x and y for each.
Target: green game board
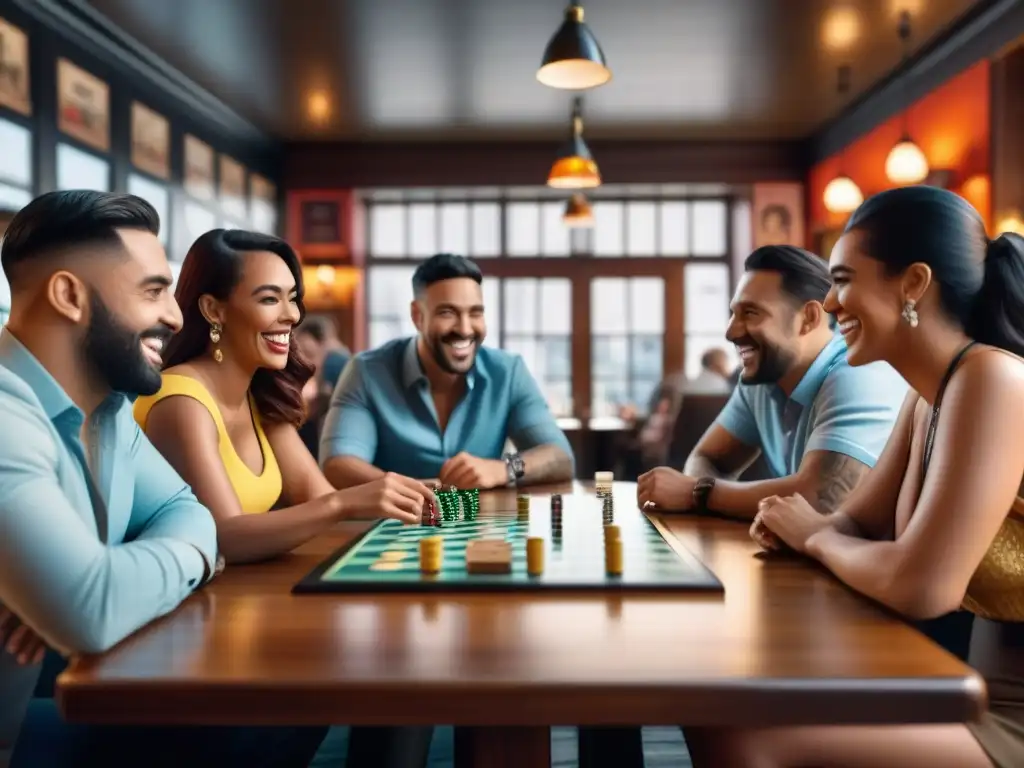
(386, 557)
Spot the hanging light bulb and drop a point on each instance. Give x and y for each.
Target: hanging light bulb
(1012, 222)
(842, 195)
(575, 167)
(578, 212)
(573, 58)
(906, 163)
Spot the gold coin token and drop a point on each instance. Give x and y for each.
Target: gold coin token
(386, 565)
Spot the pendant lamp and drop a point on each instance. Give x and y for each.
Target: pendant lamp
(578, 213)
(906, 163)
(575, 167)
(573, 58)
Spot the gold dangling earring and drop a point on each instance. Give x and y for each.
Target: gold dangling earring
(215, 338)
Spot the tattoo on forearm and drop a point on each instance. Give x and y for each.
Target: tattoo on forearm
(699, 466)
(838, 475)
(547, 464)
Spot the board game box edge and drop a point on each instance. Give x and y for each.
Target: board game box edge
(312, 582)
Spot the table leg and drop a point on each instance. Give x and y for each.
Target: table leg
(507, 747)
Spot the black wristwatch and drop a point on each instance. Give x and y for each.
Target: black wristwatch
(701, 491)
(515, 466)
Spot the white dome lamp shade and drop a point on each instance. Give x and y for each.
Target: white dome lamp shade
(842, 195)
(906, 163)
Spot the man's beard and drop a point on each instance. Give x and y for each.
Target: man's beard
(115, 353)
(773, 362)
(437, 350)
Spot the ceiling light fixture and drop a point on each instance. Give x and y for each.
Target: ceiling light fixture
(842, 195)
(578, 213)
(906, 163)
(573, 58)
(575, 167)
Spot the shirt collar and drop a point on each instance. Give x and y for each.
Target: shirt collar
(805, 392)
(412, 368)
(15, 357)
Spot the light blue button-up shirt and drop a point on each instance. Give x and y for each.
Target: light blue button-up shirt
(382, 412)
(835, 407)
(88, 558)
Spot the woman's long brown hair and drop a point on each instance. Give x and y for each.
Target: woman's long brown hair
(214, 266)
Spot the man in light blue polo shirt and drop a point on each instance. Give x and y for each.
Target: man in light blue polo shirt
(98, 534)
(819, 423)
(439, 406)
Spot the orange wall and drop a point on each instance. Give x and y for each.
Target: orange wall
(951, 125)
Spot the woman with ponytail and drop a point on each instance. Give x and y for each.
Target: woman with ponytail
(938, 524)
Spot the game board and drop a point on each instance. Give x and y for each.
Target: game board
(386, 557)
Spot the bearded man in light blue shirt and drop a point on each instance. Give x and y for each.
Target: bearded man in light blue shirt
(98, 534)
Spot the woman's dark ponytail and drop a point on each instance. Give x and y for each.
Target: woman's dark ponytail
(998, 316)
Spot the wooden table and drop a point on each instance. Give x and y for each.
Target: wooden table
(785, 644)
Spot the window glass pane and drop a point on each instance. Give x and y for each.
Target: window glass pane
(81, 170)
(608, 397)
(559, 396)
(16, 154)
(674, 228)
(556, 234)
(555, 305)
(175, 272)
(455, 229)
(526, 346)
(196, 221)
(157, 196)
(264, 217)
(387, 230)
(390, 294)
(557, 357)
(641, 391)
(641, 229)
(229, 224)
(709, 228)
(522, 229)
(608, 305)
(608, 229)
(610, 357)
(706, 299)
(14, 198)
(520, 306)
(383, 331)
(647, 305)
(647, 357)
(486, 229)
(423, 229)
(492, 310)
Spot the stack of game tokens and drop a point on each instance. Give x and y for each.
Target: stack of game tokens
(449, 501)
(523, 506)
(430, 514)
(431, 554)
(556, 515)
(607, 510)
(612, 550)
(470, 503)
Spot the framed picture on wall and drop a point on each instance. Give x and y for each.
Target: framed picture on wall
(14, 86)
(778, 212)
(151, 141)
(232, 187)
(83, 106)
(321, 222)
(198, 168)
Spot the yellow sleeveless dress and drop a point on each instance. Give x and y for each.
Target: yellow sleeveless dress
(256, 493)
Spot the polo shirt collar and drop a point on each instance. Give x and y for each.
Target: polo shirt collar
(805, 391)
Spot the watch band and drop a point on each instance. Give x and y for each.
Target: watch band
(701, 491)
(515, 467)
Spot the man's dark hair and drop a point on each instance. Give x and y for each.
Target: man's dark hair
(57, 221)
(805, 276)
(709, 357)
(779, 210)
(444, 266)
(315, 327)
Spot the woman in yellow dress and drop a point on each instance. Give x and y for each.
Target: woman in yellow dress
(227, 414)
(939, 522)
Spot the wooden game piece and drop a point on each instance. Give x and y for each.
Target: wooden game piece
(612, 532)
(523, 505)
(613, 556)
(431, 554)
(535, 555)
(603, 482)
(489, 556)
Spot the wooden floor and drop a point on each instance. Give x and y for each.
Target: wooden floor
(663, 748)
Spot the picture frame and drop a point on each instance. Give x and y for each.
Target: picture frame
(15, 93)
(83, 106)
(151, 141)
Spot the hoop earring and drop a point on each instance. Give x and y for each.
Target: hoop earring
(910, 313)
(215, 339)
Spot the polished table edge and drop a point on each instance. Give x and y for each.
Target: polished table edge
(789, 701)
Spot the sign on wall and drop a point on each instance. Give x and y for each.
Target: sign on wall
(14, 77)
(83, 106)
(151, 141)
(778, 212)
(198, 168)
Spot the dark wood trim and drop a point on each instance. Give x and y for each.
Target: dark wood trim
(1007, 145)
(526, 163)
(86, 28)
(980, 33)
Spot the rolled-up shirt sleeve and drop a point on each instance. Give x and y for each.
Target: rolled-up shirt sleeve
(350, 428)
(531, 423)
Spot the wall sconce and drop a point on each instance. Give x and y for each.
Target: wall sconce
(842, 195)
(325, 274)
